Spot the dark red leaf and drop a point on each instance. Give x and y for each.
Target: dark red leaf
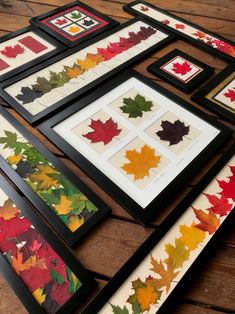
(165, 22)
(228, 188)
(134, 38)
(146, 32)
(144, 9)
(12, 52)
(221, 205)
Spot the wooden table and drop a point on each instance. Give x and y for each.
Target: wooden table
(111, 243)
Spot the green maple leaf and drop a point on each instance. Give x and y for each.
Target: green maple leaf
(58, 79)
(51, 197)
(136, 284)
(118, 310)
(9, 140)
(135, 107)
(34, 157)
(135, 305)
(75, 15)
(43, 85)
(56, 276)
(19, 147)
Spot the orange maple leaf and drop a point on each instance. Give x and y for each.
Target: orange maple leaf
(141, 163)
(74, 29)
(74, 71)
(95, 57)
(191, 236)
(42, 176)
(86, 64)
(208, 221)
(146, 296)
(64, 207)
(7, 211)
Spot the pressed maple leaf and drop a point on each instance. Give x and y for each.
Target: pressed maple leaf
(182, 69)
(200, 35)
(124, 42)
(232, 177)
(165, 22)
(220, 206)
(208, 221)
(74, 29)
(58, 79)
(134, 38)
(116, 48)
(43, 85)
(177, 253)
(144, 8)
(28, 95)
(12, 51)
(223, 46)
(228, 188)
(88, 22)
(76, 15)
(39, 295)
(14, 159)
(141, 162)
(31, 262)
(230, 94)
(86, 64)
(95, 57)
(167, 274)
(179, 26)
(146, 32)
(8, 211)
(135, 107)
(191, 236)
(106, 54)
(75, 222)
(60, 22)
(102, 131)
(118, 310)
(74, 71)
(64, 207)
(173, 132)
(43, 177)
(35, 246)
(146, 296)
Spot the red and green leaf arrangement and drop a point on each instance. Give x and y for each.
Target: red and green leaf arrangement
(46, 275)
(173, 132)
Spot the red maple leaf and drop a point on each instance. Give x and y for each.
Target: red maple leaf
(224, 47)
(181, 68)
(106, 54)
(232, 177)
(220, 206)
(143, 8)
(60, 22)
(134, 38)
(200, 34)
(116, 48)
(179, 26)
(165, 22)
(146, 32)
(35, 246)
(228, 188)
(230, 94)
(124, 42)
(208, 221)
(103, 132)
(13, 228)
(12, 52)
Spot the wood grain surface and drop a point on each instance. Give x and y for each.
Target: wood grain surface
(107, 247)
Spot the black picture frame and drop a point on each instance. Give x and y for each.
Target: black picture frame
(14, 280)
(200, 95)
(36, 21)
(156, 69)
(59, 49)
(35, 118)
(69, 237)
(220, 54)
(126, 270)
(145, 215)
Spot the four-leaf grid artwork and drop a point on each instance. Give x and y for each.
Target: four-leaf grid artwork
(137, 140)
(148, 282)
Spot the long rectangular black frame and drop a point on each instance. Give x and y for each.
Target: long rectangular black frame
(59, 48)
(200, 95)
(35, 118)
(70, 237)
(17, 285)
(207, 48)
(36, 21)
(141, 215)
(119, 278)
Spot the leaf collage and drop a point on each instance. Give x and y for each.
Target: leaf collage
(46, 275)
(80, 66)
(181, 251)
(67, 202)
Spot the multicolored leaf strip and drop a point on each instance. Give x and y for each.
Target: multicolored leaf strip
(80, 66)
(159, 273)
(185, 28)
(46, 275)
(64, 198)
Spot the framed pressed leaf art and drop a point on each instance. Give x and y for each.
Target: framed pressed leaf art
(74, 23)
(47, 87)
(213, 43)
(137, 140)
(156, 274)
(42, 272)
(181, 70)
(62, 198)
(219, 93)
(23, 49)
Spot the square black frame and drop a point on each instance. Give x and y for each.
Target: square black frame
(207, 48)
(14, 280)
(59, 48)
(200, 95)
(142, 216)
(35, 118)
(70, 237)
(122, 275)
(36, 21)
(155, 68)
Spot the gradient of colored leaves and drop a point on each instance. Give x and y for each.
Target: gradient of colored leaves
(102, 131)
(140, 163)
(135, 107)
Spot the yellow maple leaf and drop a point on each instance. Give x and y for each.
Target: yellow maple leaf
(86, 64)
(191, 236)
(141, 163)
(74, 71)
(146, 296)
(178, 253)
(42, 177)
(39, 296)
(14, 159)
(75, 222)
(95, 57)
(74, 29)
(64, 207)
(8, 211)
